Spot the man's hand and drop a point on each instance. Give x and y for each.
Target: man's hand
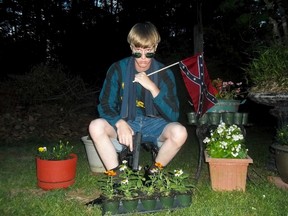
(147, 83)
(125, 133)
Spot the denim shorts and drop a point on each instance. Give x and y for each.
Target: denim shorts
(150, 128)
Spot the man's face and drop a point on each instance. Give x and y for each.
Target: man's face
(142, 57)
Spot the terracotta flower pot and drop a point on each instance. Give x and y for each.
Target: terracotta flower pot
(55, 174)
(228, 174)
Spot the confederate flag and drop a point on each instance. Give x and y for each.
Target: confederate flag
(198, 83)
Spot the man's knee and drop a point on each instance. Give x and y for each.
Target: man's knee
(96, 125)
(179, 135)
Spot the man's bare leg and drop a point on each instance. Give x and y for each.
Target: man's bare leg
(101, 132)
(174, 136)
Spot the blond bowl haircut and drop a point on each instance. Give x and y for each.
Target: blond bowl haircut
(144, 35)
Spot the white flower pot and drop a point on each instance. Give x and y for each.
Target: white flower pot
(94, 160)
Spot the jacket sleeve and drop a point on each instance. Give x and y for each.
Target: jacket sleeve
(110, 96)
(166, 102)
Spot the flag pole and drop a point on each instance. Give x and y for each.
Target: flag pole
(162, 69)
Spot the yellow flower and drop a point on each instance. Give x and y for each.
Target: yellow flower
(42, 149)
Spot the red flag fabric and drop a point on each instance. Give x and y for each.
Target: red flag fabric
(198, 83)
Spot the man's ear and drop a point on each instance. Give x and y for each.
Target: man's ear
(156, 47)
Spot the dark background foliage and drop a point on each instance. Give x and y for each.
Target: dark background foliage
(87, 36)
(54, 54)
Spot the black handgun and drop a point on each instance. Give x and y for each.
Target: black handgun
(132, 157)
(136, 151)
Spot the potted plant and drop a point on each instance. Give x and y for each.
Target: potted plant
(130, 183)
(281, 152)
(229, 95)
(145, 193)
(227, 157)
(56, 166)
(182, 187)
(268, 71)
(163, 184)
(268, 77)
(149, 193)
(109, 194)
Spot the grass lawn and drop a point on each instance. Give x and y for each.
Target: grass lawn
(19, 194)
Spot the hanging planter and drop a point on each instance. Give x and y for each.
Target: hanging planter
(214, 118)
(228, 118)
(238, 118)
(192, 118)
(224, 105)
(56, 174)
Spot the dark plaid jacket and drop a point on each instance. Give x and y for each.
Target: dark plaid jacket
(110, 99)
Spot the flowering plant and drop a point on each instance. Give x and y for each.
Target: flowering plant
(61, 151)
(282, 135)
(149, 188)
(227, 89)
(130, 184)
(107, 185)
(130, 181)
(169, 182)
(161, 179)
(226, 142)
(180, 181)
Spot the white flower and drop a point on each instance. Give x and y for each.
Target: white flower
(154, 170)
(206, 140)
(178, 173)
(225, 142)
(123, 167)
(125, 182)
(237, 137)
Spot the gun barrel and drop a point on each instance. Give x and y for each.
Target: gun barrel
(136, 151)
